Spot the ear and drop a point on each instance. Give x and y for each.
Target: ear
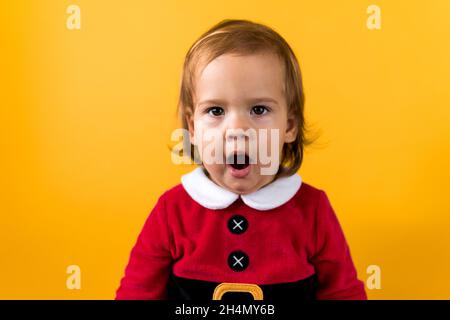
(291, 129)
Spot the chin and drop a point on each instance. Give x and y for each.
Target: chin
(241, 187)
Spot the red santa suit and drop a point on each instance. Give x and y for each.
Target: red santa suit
(284, 238)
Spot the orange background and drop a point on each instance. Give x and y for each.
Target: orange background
(86, 117)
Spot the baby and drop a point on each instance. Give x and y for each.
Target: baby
(243, 224)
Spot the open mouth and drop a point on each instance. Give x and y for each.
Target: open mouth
(239, 161)
(239, 164)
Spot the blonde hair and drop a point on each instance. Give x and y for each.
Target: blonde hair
(247, 37)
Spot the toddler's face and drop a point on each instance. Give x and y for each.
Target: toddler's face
(236, 96)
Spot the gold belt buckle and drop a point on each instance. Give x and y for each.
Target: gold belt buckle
(225, 287)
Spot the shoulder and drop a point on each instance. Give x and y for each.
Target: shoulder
(175, 193)
(309, 193)
(310, 197)
(176, 198)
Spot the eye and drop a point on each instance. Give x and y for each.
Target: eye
(215, 111)
(260, 110)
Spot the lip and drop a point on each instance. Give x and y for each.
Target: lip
(239, 173)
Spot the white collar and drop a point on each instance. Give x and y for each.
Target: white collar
(212, 196)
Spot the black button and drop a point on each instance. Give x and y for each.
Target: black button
(238, 260)
(237, 224)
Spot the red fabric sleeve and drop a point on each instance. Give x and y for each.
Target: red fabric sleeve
(148, 268)
(332, 259)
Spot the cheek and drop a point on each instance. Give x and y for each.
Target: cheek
(275, 120)
(213, 168)
(206, 133)
(269, 142)
(204, 123)
(275, 132)
(265, 123)
(200, 127)
(209, 142)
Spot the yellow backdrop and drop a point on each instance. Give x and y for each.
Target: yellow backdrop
(86, 117)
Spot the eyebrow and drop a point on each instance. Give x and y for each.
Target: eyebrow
(250, 100)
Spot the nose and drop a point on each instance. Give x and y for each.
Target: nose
(237, 127)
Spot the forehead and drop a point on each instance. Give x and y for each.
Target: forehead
(233, 77)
